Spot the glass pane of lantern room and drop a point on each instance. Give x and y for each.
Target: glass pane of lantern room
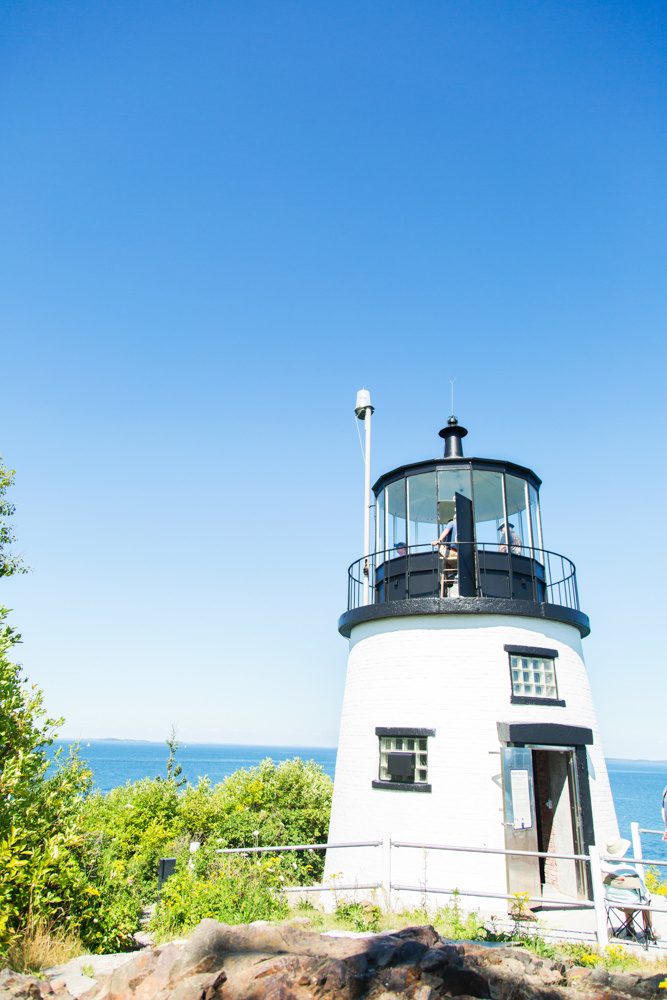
(451, 482)
(535, 523)
(489, 509)
(517, 508)
(422, 509)
(380, 522)
(395, 517)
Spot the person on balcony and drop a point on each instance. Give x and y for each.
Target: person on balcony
(447, 540)
(514, 539)
(449, 554)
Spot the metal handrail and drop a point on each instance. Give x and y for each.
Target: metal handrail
(296, 847)
(552, 575)
(492, 850)
(632, 861)
(574, 904)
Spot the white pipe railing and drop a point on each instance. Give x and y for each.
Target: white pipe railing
(296, 847)
(592, 859)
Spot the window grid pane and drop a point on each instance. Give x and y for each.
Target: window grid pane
(533, 677)
(391, 744)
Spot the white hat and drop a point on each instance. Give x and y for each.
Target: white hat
(618, 847)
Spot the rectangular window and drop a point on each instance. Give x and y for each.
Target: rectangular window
(533, 675)
(403, 759)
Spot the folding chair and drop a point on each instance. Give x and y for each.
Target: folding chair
(625, 913)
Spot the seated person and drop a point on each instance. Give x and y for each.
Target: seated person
(624, 886)
(514, 539)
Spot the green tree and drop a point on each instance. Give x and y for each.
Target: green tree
(9, 564)
(174, 770)
(39, 829)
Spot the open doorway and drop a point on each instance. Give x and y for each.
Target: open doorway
(542, 813)
(558, 825)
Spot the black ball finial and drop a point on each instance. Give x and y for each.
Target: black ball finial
(452, 434)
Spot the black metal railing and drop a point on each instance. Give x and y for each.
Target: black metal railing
(482, 569)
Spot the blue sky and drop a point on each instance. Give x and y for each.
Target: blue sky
(220, 220)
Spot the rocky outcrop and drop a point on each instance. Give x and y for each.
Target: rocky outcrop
(287, 962)
(21, 987)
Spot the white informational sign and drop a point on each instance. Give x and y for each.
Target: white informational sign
(521, 800)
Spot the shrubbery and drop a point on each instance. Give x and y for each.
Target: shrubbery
(127, 831)
(40, 809)
(86, 864)
(231, 888)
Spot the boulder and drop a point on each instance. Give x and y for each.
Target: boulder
(26, 987)
(291, 962)
(599, 976)
(577, 974)
(623, 981)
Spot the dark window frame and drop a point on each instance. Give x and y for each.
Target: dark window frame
(535, 652)
(403, 732)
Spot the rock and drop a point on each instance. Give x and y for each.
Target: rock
(123, 981)
(400, 978)
(514, 965)
(464, 982)
(546, 976)
(577, 974)
(599, 976)
(439, 957)
(520, 956)
(381, 952)
(23, 987)
(200, 986)
(409, 953)
(158, 979)
(424, 993)
(623, 981)
(649, 986)
(426, 934)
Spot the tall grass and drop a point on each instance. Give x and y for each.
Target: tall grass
(40, 946)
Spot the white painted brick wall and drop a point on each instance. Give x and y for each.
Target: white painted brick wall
(448, 673)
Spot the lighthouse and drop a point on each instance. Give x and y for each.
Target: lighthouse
(467, 718)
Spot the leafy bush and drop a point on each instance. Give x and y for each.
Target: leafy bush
(230, 888)
(654, 883)
(364, 916)
(129, 829)
(271, 804)
(39, 831)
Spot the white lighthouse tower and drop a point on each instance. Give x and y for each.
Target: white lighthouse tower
(467, 718)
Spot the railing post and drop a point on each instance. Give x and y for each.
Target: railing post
(386, 869)
(598, 897)
(637, 847)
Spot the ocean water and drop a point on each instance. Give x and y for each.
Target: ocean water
(637, 785)
(114, 762)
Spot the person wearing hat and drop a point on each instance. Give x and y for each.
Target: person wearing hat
(514, 539)
(624, 885)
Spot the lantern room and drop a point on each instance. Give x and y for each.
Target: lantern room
(461, 528)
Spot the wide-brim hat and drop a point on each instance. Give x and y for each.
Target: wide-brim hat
(618, 847)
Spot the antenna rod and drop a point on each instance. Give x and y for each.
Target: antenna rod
(363, 410)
